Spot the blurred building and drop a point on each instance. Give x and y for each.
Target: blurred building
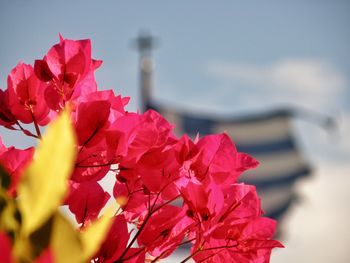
(268, 136)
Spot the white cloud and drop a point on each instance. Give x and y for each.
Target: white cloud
(308, 82)
(326, 148)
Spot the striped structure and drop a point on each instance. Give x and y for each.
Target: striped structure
(268, 137)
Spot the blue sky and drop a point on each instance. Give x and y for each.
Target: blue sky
(227, 56)
(222, 56)
(194, 37)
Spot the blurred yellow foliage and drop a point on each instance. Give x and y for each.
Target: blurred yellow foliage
(38, 225)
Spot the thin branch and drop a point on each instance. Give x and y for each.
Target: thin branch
(94, 165)
(37, 129)
(134, 239)
(206, 249)
(164, 252)
(26, 132)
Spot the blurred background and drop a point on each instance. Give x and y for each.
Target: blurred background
(228, 58)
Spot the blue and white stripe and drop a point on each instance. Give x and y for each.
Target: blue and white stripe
(268, 137)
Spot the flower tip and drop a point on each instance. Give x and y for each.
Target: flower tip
(61, 37)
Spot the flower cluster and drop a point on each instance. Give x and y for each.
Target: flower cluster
(171, 191)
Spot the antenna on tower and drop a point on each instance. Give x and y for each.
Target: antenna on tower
(144, 43)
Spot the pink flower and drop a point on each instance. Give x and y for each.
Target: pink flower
(219, 159)
(164, 231)
(92, 163)
(6, 117)
(173, 191)
(117, 103)
(86, 201)
(135, 194)
(240, 242)
(5, 249)
(135, 135)
(115, 241)
(203, 202)
(25, 96)
(91, 121)
(92, 116)
(14, 161)
(68, 71)
(233, 229)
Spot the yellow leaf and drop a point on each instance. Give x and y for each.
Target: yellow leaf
(65, 241)
(44, 183)
(70, 245)
(8, 220)
(93, 236)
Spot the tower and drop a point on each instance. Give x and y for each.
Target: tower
(144, 44)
